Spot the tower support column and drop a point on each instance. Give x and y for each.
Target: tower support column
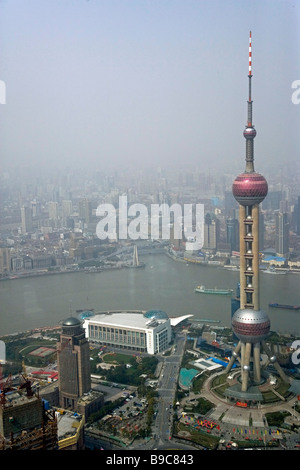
(242, 216)
(255, 249)
(256, 363)
(273, 360)
(246, 367)
(233, 357)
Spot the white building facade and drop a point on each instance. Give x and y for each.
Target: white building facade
(148, 332)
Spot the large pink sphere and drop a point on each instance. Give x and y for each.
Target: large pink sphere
(250, 188)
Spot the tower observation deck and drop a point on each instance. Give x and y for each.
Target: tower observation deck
(249, 323)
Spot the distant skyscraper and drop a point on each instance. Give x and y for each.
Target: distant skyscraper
(229, 203)
(85, 210)
(232, 233)
(210, 233)
(250, 324)
(282, 234)
(67, 209)
(298, 216)
(5, 260)
(26, 219)
(53, 212)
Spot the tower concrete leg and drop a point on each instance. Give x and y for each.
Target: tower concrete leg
(256, 362)
(246, 366)
(242, 359)
(273, 360)
(233, 357)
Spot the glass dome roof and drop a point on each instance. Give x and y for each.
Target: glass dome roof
(156, 314)
(71, 321)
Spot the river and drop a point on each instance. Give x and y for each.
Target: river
(163, 284)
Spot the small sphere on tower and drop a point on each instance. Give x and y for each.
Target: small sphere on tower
(250, 188)
(249, 133)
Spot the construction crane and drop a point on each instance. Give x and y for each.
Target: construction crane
(4, 386)
(27, 385)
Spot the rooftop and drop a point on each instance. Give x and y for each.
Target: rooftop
(126, 319)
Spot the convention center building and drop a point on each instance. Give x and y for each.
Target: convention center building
(148, 332)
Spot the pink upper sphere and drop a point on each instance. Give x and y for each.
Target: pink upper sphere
(250, 188)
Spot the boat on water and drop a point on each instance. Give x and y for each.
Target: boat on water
(284, 306)
(272, 270)
(202, 290)
(207, 320)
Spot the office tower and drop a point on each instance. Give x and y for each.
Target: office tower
(26, 220)
(250, 324)
(272, 201)
(230, 203)
(36, 208)
(5, 261)
(298, 217)
(232, 233)
(210, 233)
(282, 234)
(53, 210)
(67, 208)
(73, 363)
(85, 210)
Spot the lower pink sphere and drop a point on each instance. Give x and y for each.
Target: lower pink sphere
(251, 326)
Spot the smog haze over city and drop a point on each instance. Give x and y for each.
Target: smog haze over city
(141, 223)
(113, 84)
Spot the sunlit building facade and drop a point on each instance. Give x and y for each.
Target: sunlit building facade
(148, 332)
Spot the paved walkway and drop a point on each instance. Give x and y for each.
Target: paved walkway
(233, 415)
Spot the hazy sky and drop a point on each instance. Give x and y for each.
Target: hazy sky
(107, 83)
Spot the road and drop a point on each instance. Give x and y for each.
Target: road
(167, 386)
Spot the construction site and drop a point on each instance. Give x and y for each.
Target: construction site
(45, 409)
(25, 423)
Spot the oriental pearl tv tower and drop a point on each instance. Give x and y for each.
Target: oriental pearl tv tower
(249, 323)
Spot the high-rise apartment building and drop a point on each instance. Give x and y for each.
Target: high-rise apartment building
(5, 261)
(210, 233)
(232, 233)
(26, 219)
(73, 359)
(298, 217)
(85, 210)
(282, 234)
(73, 363)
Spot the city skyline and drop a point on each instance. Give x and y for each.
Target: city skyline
(128, 112)
(107, 85)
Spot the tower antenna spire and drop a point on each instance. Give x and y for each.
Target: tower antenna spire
(250, 55)
(250, 132)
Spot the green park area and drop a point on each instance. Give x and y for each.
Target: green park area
(126, 369)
